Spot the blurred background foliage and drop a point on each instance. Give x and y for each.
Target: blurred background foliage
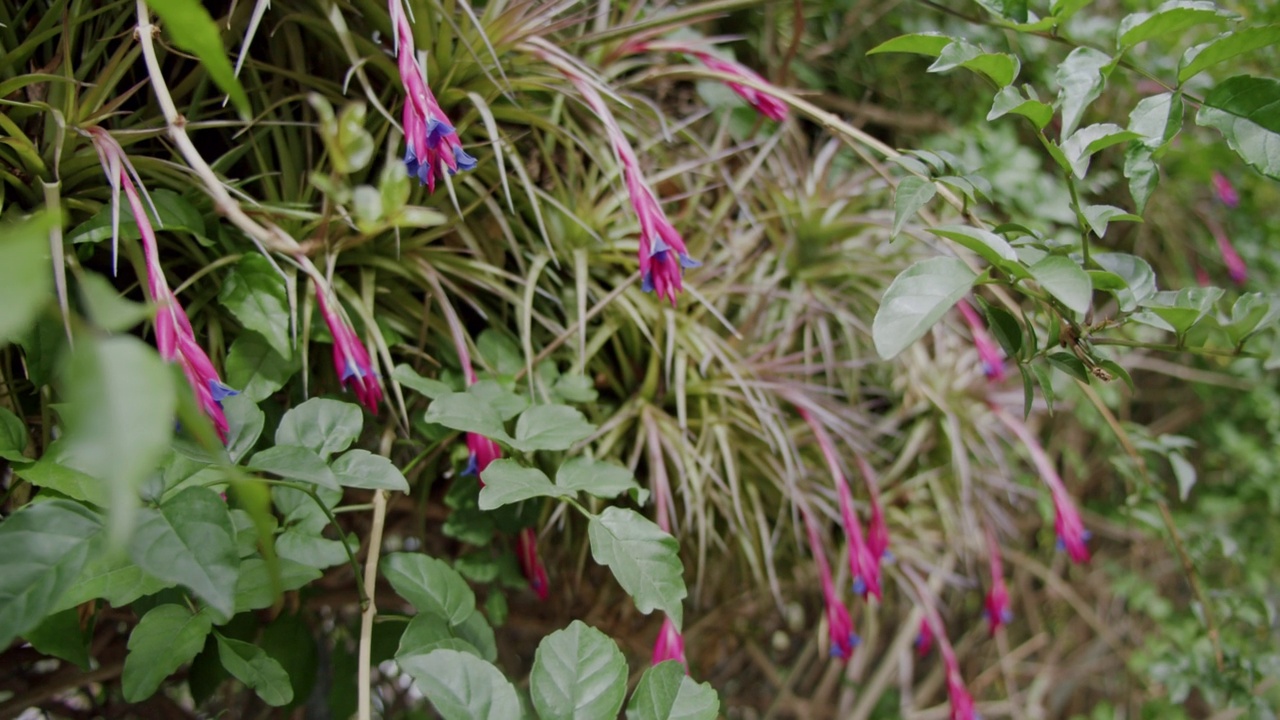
(534, 250)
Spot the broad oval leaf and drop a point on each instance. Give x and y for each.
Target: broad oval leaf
(321, 425)
(1224, 47)
(1081, 77)
(1062, 278)
(254, 292)
(294, 463)
(363, 469)
(1157, 119)
(990, 246)
(190, 541)
(578, 674)
(255, 369)
(47, 545)
(917, 299)
(1168, 21)
(1010, 100)
(507, 403)
(430, 585)
(112, 578)
(644, 559)
(461, 412)
(461, 686)
(1000, 68)
(167, 637)
(409, 378)
(26, 275)
(550, 427)
(666, 692)
(1081, 146)
(913, 193)
(601, 479)
(427, 632)
(1246, 110)
(252, 666)
(507, 481)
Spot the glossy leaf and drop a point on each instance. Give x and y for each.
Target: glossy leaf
(988, 245)
(294, 463)
(1010, 101)
(430, 585)
(321, 425)
(462, 686)
(917, 299)
(26, 274)
(1251, 313)
(1169, 21)
(1062, 278)
(1081, 78)
(1157, 119)
(310, 550)
(601, 479)
(1081, 146)
(1000, 68)
(1099, 216)
(190, 541)
(578, 674)
(1142, 173)
(255, 294)
(550, 427)
(250, 665)
(173, 211)
(363, 469)
(507, 481)
(165, 639)
(47, 545)
(244, 425)
(913, 193)
(665, 692)
(930, 44)
(192, 29)
(1225, 47)
(1246, 110)
(644, 559)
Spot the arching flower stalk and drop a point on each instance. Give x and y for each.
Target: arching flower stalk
(1225, 191)
(864, 568)
(997, 601)
(877, 531)
(527, 550)
(1067, 523)
(962, 706)
(989, 353)
(839, 624)
(764, 103)
(350, 359)
(432, 147)
(175, 338)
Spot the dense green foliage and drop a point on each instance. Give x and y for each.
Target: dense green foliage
(321, 391)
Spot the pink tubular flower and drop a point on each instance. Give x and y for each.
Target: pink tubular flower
(878, 531)
(839, 624)
(527, 549)
(988, 351)
(483, 451)
(997, 601)
(864, 567)
(1225, 191)
(924, 639)
(350, 358)
(1235, 264)
(174, 337)
(669, 645)
(1066, 522)
(764, 103)
(431, 142)
(961, 701)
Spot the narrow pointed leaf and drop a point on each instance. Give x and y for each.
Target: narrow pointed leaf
(912, 194)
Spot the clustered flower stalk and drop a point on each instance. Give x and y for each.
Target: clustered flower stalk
(432, 147)
(1067, 522)
(763, 102)
(989, 353)
(175, 338)
(864, 567)
(996, 604)
(839, 624)
(350, 358)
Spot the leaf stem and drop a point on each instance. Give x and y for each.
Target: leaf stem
(363, 689)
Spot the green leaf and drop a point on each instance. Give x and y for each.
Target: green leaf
(1099, 216)
(255, 294)
(406, 376)
(1081, 78)
(363, 469)
(912, 194)
(1069, 364)
(461, 412)
(602, 479)
(427, 632)
(255, 589)
(1169, 21)
(500, 352)
(1184, 308)
(250, 665)
(990, 246)
(1010, 100)
(430, 585)
(665, 692)
(1082, 145)
(1000, 68)
(61, 636)
(550, 427)
(462, 686)
(193, 30)
(1184, 472)
(244, 425)
(321, 425)
(294, 463)
(13, 436)
(255, 369)
(167, 637)
(26, 274)
(917, 299)
(507, 403)
(1224, 47)
(1251, 313)
(929, 43)
(64, 469)
(45, 546)
(1246, 110)
(311, 550)
(644, 559)
(578, 674)
(1062, 278)
(575, 388)
(174, 213)
(1157, 119)
(507, 481)
(190, 541)
(1142, 172)
(108, 309)
(113, 578)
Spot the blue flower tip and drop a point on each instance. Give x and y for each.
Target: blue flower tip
(854, 640)
(472, 465)
(465, 160)
(687, 262)
(859, 586)
(220, 391)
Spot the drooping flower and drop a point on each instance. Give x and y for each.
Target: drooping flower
(1236, 268)
(962, 707)
(997, 601)
(864, 567)
(669, 645)
(877, 531)
(483, 451)
(765, 103)
(175, 339)
(989, 353)
(1067, 523)
(432, 147)
(663, 255)
(1225, 191)
(527, 549)
(839, 624)
(924, 639)
(350, 359)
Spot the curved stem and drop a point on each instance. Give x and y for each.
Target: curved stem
(363, 689)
